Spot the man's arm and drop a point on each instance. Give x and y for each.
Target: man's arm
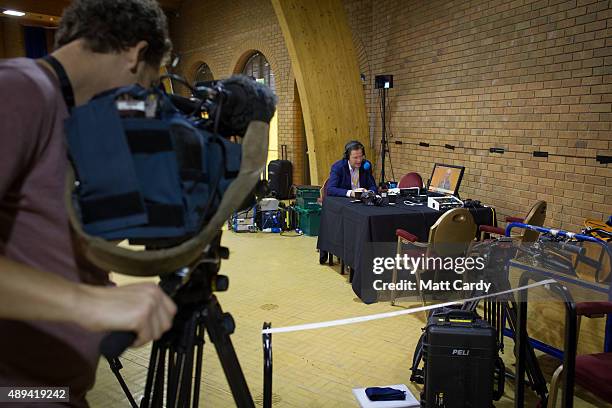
(27, 293)
(30, 294)
(333, 188)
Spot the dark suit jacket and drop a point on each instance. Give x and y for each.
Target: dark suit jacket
(340, 179)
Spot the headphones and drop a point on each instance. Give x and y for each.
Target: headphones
(350, 146)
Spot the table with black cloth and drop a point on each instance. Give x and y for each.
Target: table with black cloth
(347, 229)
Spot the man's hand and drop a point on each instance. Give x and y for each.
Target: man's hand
(27, 293)
(142, 308)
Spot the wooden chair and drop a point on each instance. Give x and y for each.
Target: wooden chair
(451, 236)
(536, 216)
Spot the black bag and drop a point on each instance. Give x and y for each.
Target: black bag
(142, 178)
(461, 363)
(280, 176)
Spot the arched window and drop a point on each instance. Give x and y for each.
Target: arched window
(203, 73)
(258, 67)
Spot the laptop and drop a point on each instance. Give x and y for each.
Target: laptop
(445, 180)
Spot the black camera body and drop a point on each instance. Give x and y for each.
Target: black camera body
(372, 199)
(154, 171)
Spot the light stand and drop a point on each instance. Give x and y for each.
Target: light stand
(383, 82)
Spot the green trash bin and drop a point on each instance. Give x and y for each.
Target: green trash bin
(306, 196)
(309, 220)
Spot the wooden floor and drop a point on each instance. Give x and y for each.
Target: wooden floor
(278, 279)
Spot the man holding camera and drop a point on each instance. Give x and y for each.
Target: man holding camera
(352, 175)
(54, 305)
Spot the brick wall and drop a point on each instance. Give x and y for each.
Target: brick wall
(224, 35)
(522, 75)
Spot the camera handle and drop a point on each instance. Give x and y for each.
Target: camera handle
(114, 344)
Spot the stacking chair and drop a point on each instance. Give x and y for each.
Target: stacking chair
(411, 180)
(536, 216)
(592, 371)
(451, 236)
(326, 256)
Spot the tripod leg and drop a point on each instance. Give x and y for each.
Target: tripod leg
(184, 397)
(177, 360)
(534, 373)
(115, 366)
(180, 386)
(220, 326)
(172, 377)
(153, 362)
(198, 370)
(158, 390)
(183, 374)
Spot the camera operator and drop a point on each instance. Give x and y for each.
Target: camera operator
(54, 305)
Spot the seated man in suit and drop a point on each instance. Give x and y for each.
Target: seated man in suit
(445, 183)
(352, 173)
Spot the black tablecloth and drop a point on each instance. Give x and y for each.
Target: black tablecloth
(348, 231)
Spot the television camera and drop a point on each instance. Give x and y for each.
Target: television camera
(166, 172)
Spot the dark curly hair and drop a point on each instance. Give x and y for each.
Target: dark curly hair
(115, 25)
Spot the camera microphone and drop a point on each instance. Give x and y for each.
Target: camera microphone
(367, 165)
(243, 100)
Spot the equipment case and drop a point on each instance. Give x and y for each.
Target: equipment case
(462, 366)
(280, 176)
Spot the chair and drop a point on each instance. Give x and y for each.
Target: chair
(324, 256)
(411, 180)
(536, 216)
(592, 371)
(323, 192)
(451, 236)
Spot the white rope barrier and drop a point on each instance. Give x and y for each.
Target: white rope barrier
(353, 320)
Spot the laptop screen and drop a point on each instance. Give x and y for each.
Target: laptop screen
(445, 179)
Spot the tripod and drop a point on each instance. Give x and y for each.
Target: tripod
(504, 310)
(499, 313)
(171, 366)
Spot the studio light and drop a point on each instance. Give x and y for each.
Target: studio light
(14, 13)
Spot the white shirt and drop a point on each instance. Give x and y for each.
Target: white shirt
(354, 177)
